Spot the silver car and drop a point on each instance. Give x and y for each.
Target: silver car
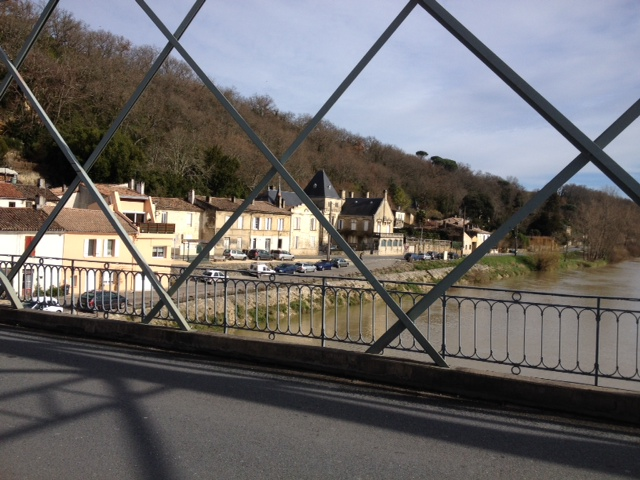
(302, 267)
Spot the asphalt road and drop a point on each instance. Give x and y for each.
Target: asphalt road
(74, 410)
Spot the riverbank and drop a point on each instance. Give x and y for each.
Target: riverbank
(489, 269)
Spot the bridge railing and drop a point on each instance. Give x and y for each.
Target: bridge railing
(598, 337)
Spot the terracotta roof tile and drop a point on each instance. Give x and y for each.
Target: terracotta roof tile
(31, 191)
(9, 190)
(79, 220)
(176, 204)
(226, 205)
(25, 220)
(124, 191)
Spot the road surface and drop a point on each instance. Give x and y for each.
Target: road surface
(75, 410)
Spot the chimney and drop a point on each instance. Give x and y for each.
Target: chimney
(140, 188)
(132, 184)
(384, 194)
(40, 201)
(367, 196)
(350, 194)
(343, 194)
(233, 199)
(192, 197)
(41, 183)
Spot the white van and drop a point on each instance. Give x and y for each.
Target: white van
(261, 269)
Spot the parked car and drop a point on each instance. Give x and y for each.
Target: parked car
(339, 262)
(305, 267)
(101, 300)
(453, 256)
(282, 255)
(234, 255)
(286, 268)
(46, 304)
(323, 265)
(261, 269)
(415, 257)
(255, 254)
(211, 276)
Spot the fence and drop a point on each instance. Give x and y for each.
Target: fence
(596, 337)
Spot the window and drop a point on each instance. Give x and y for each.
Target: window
(313, 224)
(268, 225)
(136, 217)
(383, 243)
(280, 224)
(366, 225)
(354, 224)
(256, 223)
(240, 222)
(91, 247)
(164, 217)
(189, 219)
(254, 243)
(110, 248)
(226, 242)
(340, 224)
(267, 244)
(159, 252)
(296, 223)
(12, 204)
(226, 219)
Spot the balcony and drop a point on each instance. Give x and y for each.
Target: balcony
(157, 227)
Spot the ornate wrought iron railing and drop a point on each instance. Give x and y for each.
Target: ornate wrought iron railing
(566, 335)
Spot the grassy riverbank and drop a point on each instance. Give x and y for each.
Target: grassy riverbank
(497, 267)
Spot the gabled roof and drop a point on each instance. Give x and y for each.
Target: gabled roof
(30, 192)
(24, 220)
(106, 190)
(228, 205)
(175, 204)
(321, 187)
(9, 190)
(365, 207)
(80, 220)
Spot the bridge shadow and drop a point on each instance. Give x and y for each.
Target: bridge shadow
(155, 415)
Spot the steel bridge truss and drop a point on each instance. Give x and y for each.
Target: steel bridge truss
(590, 151)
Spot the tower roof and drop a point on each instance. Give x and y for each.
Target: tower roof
(321, 187)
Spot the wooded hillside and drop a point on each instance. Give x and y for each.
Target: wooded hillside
(178, 137)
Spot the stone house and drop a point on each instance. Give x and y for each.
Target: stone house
(261, 225)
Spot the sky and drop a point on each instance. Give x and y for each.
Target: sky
(424, 90)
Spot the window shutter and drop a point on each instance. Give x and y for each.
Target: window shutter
(86, 247)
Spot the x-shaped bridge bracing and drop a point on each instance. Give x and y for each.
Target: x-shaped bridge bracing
(590, 151)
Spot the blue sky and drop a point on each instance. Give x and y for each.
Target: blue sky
(424, 90)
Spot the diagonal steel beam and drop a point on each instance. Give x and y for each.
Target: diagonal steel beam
(102, 204)
(616, 128)
(28, 45)
(278, 168)
(568, 130)
(589, 152)
(107, 137)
